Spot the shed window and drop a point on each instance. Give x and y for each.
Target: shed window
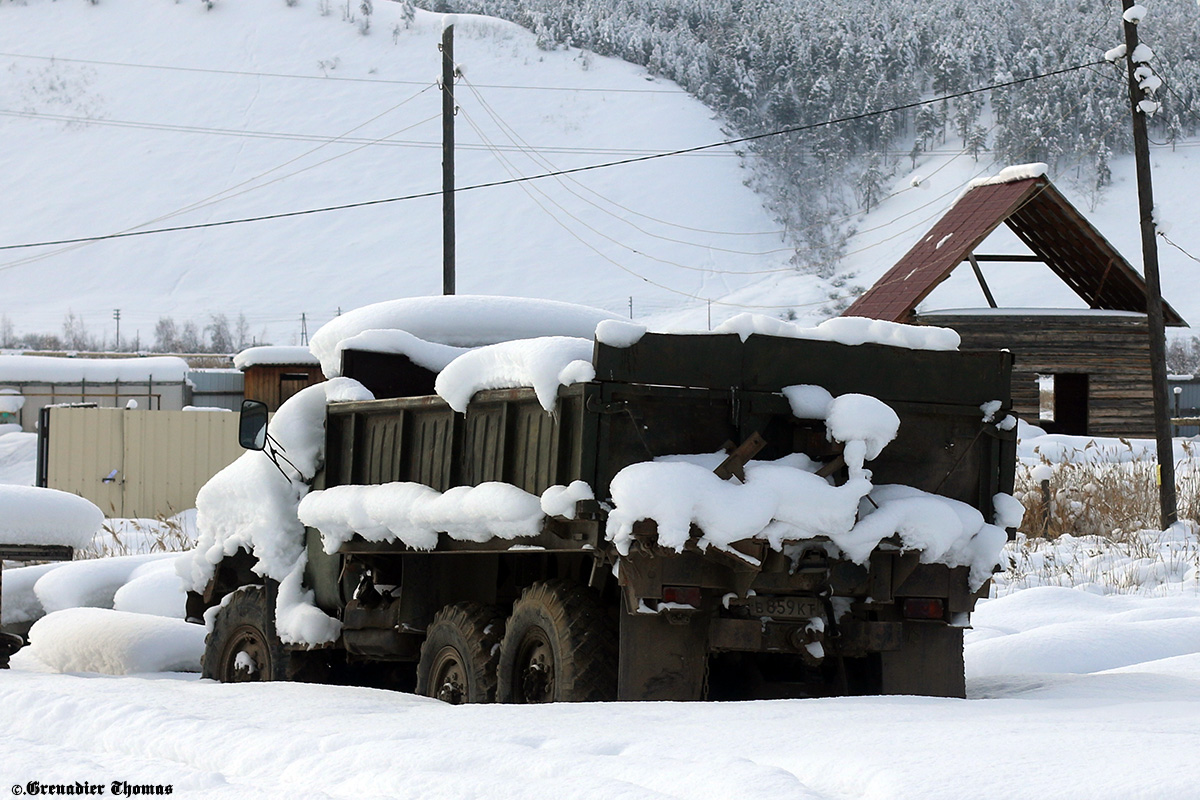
(1063, 402)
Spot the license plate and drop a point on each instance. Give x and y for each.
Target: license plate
(783, 607)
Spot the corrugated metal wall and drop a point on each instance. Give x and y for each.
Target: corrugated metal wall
(157, 460)
(115, 394)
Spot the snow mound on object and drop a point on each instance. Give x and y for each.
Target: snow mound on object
(785, 501)
(618, 333)
(1017, 172)
(33, 515)
(545, 364)
(18, 457)
(415, 514)
(19, 601)
(678, 494)
(116, 642)
(274, 354)
(250, 505)
(430, 355)
(93, 582)
(153, 588)
(458, 320)
(11, 401)
(48, 369)
(846, 330)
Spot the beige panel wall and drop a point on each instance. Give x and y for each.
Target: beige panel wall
(162, 457)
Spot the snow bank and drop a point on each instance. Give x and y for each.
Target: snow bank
(1056, 630)
(846, 330)
(415, 514)
(1017, 172)
(274, 354)
(116, 642)
(458, 320)
(33, 515)
(250, 505)
(93, 582)
(48, 369)
(544, 363)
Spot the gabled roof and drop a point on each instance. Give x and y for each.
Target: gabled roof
(1044, 220)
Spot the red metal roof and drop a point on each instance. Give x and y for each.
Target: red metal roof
(1044, 220)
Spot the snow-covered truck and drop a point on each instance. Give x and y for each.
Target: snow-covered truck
(689, 517)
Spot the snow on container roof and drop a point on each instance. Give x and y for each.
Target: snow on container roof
(275, 355)
(51, 369)
(33, 515)
(458, 320)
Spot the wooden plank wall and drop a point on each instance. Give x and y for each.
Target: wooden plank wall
(266, 382)
(1112, 349)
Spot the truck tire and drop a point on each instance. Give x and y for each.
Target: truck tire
(559, 646)
(459, 654)
(243, 646)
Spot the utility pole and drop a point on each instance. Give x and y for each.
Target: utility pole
(303, 328)
(447, 48)
(1154, 305)
(117, 317)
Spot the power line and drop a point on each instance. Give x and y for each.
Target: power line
(294, 76)
(571, 171)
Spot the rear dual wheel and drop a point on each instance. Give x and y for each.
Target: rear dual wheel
(459, 655)
(560, 645)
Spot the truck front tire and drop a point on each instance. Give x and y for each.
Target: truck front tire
(243, 646)
(560, 645)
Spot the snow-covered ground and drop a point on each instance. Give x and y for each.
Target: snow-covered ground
(1071, 696)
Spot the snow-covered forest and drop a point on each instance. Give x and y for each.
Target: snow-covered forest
(769, 65)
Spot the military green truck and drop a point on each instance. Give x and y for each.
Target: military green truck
(571, 612)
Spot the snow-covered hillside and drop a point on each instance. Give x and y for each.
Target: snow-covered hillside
(101, 139)
(90, 148)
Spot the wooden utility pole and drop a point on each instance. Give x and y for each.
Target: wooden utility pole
(1154, 305)
(447, 48)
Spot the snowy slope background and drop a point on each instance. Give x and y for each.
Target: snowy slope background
(668, 235)
(66, 176)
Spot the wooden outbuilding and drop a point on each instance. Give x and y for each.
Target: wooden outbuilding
(1084, 371)
(274, 373)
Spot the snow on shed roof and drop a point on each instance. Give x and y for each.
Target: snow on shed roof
(51, 369)
(277, 355)
(1042, 218)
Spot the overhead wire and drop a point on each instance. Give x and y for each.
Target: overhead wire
(229, 192)
(570, 171)
(329, 78)
(547, 164)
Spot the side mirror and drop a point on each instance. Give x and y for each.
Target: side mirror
(252, 426)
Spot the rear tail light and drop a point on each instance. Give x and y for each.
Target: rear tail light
(686, 595)
(924, 608)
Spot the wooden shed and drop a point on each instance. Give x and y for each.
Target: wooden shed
(273, 374)
(1083, 371)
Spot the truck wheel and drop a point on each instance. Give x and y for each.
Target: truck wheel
(559, 646)
(242, 645)
(459, 654)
